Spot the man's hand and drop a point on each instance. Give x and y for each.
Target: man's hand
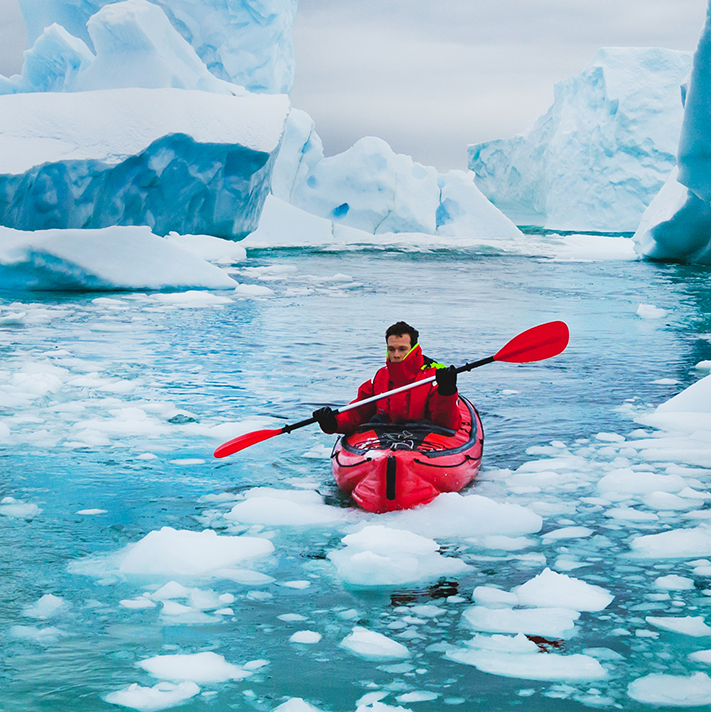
(326, 418)
(447, 381)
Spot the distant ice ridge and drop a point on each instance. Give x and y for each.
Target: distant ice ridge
(601, 153)
(245, 42)
(373, 189)
(677, 224)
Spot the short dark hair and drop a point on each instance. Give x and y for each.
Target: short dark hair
(401, 328)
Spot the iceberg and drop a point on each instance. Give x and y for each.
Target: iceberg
(677, 224)
(372, 189)
(597, 158)
(245, 42)
(190, 162)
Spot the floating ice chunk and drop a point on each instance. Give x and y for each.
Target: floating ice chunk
(688, 625)
(532, 666)
(296, 704)
(701, 656)
(10, 507)
(152, 699)
(369, 645)
(378, 706)
(299, 585)
(694, 399)
(284, 508)
(137, 603)
(292, 617)
(244, 576)
(677, 543)
(488, 595)
(648, 311)
(669, 502)
(454, 515)
(380, 556)
(253, 290)
(672, 690)
(619, 484)
(427, 610)
(209, 248)
(417, 696)
(507, 543)
(631, 515)
(674, 583)
(199, 667)
(33, 634)
(91, 512)
(47, 607)
(554, 590)
(307, 637)
(567, 533)
(549, 622)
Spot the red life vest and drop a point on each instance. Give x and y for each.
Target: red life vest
(416, 404)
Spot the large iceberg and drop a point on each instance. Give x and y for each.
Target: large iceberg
(245, 42)
(371, 188)
(677, 224)
(140, 133)
(175, 160)
(600, 154)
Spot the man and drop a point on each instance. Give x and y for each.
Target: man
(405, 364)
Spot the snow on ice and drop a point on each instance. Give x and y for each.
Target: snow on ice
(600, 154)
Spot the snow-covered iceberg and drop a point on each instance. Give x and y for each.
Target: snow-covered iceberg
(677, 224)
(176, 160)
(245, 42)
(600, 154)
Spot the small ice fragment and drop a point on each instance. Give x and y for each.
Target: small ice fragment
(308, 637)
(199, 667)
(567, 533)
(417, 696)
(703, 366)
(292, 617)
(370, 645)
(89, 512)
(674, 583)
(137, 603)
(296, 584)
(296, 704)
(47, 606)
(152, 699)
(649, 311)
(689, 625)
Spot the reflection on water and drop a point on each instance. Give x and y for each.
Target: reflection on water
(310, 344)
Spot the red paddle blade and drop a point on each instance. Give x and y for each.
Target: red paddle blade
(244, 441)
(536, 344)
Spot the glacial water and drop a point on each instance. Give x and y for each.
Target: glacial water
(108, 401)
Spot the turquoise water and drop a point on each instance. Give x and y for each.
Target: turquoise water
(312, 343)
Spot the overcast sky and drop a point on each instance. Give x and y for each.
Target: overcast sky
(431, 76)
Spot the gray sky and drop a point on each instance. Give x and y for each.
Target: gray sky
(430, 77)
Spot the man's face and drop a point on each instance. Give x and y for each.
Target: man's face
(398, 347)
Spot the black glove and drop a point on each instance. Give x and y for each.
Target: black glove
(447, 381)
(326, 418)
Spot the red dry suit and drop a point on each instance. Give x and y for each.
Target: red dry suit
(422, 403)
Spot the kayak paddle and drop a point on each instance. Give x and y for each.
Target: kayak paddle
(535, 344)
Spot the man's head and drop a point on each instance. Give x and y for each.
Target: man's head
(400, 338)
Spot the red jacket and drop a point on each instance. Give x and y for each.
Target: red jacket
(422, 403)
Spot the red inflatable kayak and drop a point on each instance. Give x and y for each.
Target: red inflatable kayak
(398, 466)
